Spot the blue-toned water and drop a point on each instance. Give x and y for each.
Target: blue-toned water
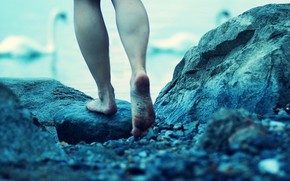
(168, 18)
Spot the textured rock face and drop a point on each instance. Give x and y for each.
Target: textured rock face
(44, 98)
(20, 139)
(244, 63)
(62, 107)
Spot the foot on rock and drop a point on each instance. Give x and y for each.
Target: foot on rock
(107, 108)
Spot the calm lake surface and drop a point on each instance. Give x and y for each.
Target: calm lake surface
(168, 18)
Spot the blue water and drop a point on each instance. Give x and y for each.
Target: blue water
(167, 18)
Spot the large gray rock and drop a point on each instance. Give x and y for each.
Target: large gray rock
(243, 63)
(62, 107)
(20, 139)
(75, 123)
(44, 98)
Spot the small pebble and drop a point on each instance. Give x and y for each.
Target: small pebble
(143, 154)
(276, 126)
(168, 134)
(177, 126)
(269, 165)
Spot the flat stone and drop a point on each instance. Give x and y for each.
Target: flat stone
(57, 105)
(44, 97)
(75, 123)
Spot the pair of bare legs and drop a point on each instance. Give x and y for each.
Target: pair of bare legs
(92, 36)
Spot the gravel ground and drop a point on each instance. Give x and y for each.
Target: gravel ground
(169, 154)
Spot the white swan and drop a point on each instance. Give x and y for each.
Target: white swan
(25, 48)
(176, 44)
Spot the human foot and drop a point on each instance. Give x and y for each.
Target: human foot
(143, 115)
(105, 103)
(97, 105)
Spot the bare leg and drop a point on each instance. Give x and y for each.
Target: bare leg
(133, 27)
(93, 40)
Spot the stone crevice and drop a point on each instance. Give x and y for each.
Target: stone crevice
(227, 46)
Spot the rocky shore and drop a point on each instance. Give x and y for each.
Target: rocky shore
(224, 116)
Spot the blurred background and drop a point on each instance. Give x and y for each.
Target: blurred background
(175, 27)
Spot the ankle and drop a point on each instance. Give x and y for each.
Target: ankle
(140, 84)
(135, 76)
(106, 93)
